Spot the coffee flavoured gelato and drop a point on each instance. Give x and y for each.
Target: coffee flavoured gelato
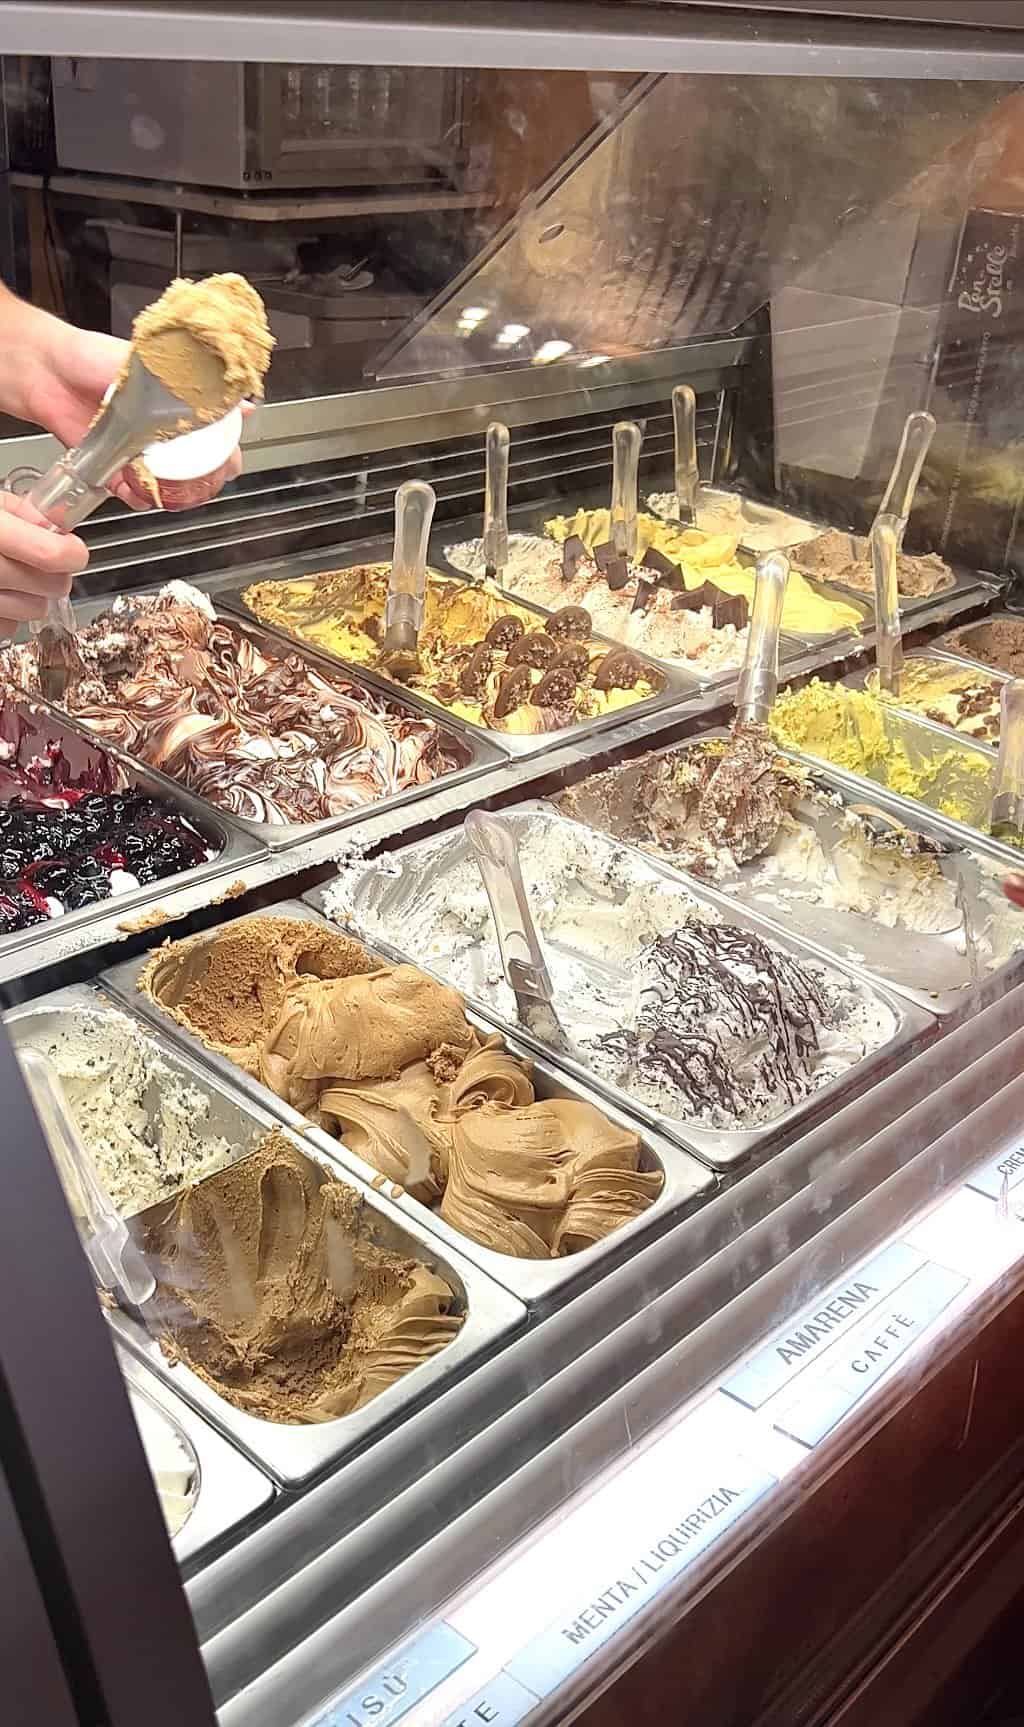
(998, 642)
(480, 657)
(262, 734)
(831, 558)
(208, 342)
(384, 1058)
(271, 1287)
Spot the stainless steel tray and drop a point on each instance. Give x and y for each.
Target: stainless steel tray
(233, 848)
(934, 970)
(677, 685)
(687, 1183)
(926, 742)
(293, 1455)
(476, 754)
(858, 679)
(722, 1148)
(943, 644)
(232, 1491)
(791, 647)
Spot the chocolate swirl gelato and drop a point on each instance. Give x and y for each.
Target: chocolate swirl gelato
(263, 735)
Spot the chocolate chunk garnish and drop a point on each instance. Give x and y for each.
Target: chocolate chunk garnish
(537, 650)
(646, 594)
(574, 658)
(574, 553)
(557, 688)
(688, 600)
(514, 689)
(477, 670)
(505, 632)
(619, 670)
(572, 623)
(730, 609)
(660, 565)
(612, 565)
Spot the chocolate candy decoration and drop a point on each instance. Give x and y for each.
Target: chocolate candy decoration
(557, 688)
(537, 650)
(514, 688)
(574, 658)
(505, 632)
(619, 670)
(572, 623)
(730, 609)
(612, 565)
(660, 566)
(574, 553)
(477, 670)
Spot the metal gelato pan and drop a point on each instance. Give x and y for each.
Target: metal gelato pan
(387, 899)
(34, 724)
(917, 664)
(671, 684)
(473, 752)
(229, 1491)
(686, 1183)
(945, 645)
(934, 967)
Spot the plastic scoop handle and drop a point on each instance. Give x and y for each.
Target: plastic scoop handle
(759, 679)
(496, 498)
(684, 419)
(115, 1260)
(403, 612)
(889, 643)
(497, 857)
(626, 440)
(1007, 815)
(915, 443)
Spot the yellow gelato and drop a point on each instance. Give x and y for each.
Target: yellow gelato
(700, 556)
(481, 657)
(855, 731)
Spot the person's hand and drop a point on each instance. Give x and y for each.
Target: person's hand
(62, 374)
(1013, 888)
(36, 564)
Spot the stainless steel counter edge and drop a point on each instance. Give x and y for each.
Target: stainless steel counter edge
(334, 1574)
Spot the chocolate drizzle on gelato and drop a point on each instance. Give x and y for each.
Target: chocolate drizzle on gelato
(725, 1020)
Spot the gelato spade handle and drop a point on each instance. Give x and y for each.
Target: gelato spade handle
(496, 499)
(113, 1255)
(885, 538)
(626, 440)
(684, 417)
(899, 493)
(497, 857)
(759, 679)
(1007, 814)
(403, 612)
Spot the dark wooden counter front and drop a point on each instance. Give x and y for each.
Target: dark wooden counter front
(864, 1604)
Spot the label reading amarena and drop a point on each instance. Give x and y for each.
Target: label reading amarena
(629, 1584)
(811, 1332)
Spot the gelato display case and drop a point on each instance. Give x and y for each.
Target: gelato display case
(513, 1058)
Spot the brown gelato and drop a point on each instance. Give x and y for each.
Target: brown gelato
(208, 342)
(998, 643)
(384, 1058)
(829, 558)
(276, 1293)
